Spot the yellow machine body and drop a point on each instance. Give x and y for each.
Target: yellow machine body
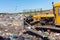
(57, 13)
(39, 16)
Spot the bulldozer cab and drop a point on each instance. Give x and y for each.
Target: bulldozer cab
(57, 13)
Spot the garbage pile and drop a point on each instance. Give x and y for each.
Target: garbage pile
(12, 28)
(50, 35)
(19, 36)
(11, 22)
(54, 36)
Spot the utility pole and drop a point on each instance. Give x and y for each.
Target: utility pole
(15, 8)
(41, 10)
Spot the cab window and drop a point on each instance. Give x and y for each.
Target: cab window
(59, 11)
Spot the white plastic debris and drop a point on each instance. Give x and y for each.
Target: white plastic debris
(3, 34)
(15, 27)
(39, 31)
(6, 30)
(20, 33)
(0, 31)
(57, 34)
(7, 33)
(29, 27)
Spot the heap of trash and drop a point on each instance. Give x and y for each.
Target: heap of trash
(12, 28)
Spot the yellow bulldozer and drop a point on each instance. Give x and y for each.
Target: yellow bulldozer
(46, 18)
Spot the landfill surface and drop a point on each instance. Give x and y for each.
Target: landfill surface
(11, 24)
